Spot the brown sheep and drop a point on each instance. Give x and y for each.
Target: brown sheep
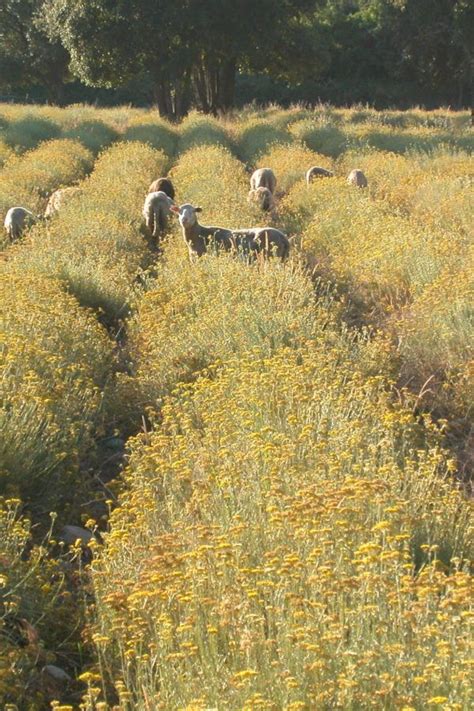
(356, 177)
(317, 172)
(163, 185)
(263, 178)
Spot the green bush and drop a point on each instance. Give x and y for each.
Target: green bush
(27, 132)
(94, 135)
(157, 133)
(200, 130)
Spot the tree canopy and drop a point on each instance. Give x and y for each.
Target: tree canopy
(190, 52)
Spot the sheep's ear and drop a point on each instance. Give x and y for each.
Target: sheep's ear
(198, 209)
(175, 209)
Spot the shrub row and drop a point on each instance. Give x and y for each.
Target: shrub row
(55, 359)
(287, 536)
(28, 180)
(94, 244)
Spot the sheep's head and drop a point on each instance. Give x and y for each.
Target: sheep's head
(263, 198)
(186, 214)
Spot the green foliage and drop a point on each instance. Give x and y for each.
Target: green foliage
(94, 135)
(27, 132)
(256, 136)
(157, 133)
(27, 56)
(327, 139)
(199, 130)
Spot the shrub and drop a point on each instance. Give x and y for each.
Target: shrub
(25, 133)
(29, 180)
(94, 135)
(55, 359)
(36, 610)
(156, 132)
(256, 136)
(94, 244)
(220, 308)
(437, 338)
(5, 153)
(290, 162)
(282, 522)
(326, 139)
(199, 130)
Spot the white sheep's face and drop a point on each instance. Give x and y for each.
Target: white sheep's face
(186, 214)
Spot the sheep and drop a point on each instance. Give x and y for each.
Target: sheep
(267, 240)
(263, 197)
(196, 236)
(156, 211)
(16, 219)
(56, 200)
(263, 240)
(317, 172)
(263, 178)
(356, 177)
(162, 185)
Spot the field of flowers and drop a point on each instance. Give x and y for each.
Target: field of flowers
(291, 524)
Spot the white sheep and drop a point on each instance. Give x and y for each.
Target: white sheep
(263, 198)
(58, 198)
(263, 178)
(267, 240)
(317, 172)
(356, 177)
(156, 211)
(16, 219)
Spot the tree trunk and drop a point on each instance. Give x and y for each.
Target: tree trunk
(200, 86)
(163, 98)
(226, 89)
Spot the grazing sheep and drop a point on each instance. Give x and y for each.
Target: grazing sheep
(263, 178)
(264, 240)
(156, 211)
(317, 172)
(163, 185)
(198, 237)
(57, 199)
(356, 177)
(17, 218)
(263, 198)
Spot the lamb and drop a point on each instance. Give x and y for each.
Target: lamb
(162, 185)
(264, 240)
(16, 219)
(263, 178)
(57, 199)
(356, 177)
(263, 197)
(317, 172)
(156, 211)
(267, 240)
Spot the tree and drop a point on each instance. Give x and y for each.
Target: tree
(186, 45)
(27, 56)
